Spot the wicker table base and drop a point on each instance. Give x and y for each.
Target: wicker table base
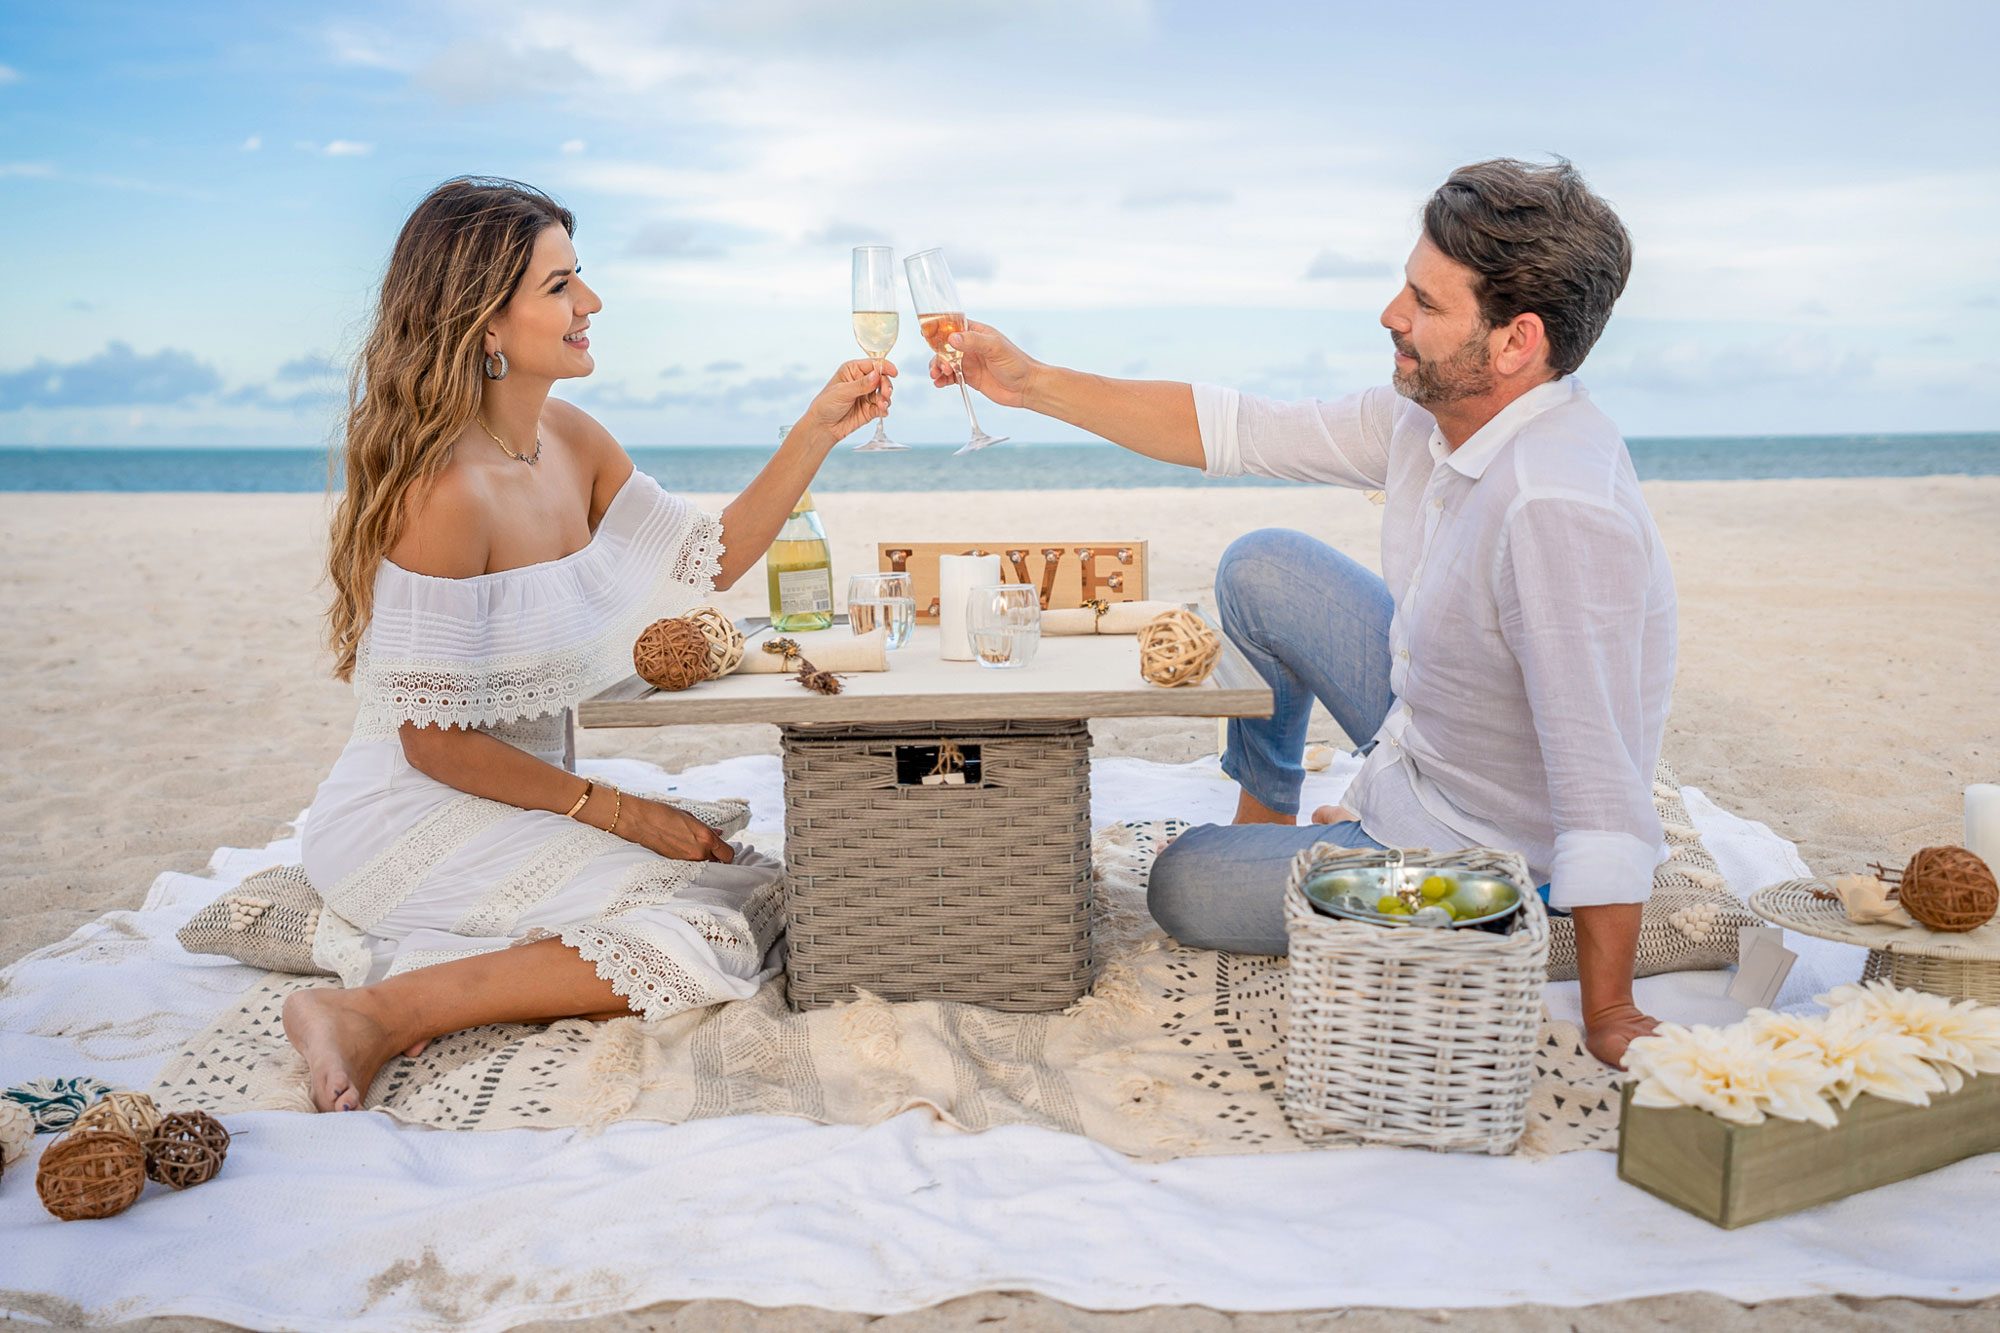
(976, 890)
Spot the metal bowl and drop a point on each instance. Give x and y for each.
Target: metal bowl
(1481, 900)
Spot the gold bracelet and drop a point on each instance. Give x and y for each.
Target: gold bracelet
(588, 788)
(617, 808)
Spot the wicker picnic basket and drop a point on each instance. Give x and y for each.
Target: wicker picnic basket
(975, 890)
(1424, 1038)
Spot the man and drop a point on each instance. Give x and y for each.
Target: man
(1511, 670)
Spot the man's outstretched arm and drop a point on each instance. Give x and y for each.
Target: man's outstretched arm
(1151, 417)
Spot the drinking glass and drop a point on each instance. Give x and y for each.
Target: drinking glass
(939, 315)
(875, 323)
(1004, 622)
(885, 600)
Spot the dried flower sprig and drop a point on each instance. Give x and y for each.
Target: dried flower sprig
(810, 676)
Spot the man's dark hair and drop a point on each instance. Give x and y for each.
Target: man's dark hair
(1540, 243)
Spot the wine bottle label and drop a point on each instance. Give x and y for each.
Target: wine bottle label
(805, 591)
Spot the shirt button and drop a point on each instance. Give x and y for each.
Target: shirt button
(1404, 654)
(1437, 504)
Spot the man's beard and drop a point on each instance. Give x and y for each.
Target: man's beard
(1466, 373)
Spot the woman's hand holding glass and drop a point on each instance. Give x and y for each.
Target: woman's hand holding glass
(858, 393)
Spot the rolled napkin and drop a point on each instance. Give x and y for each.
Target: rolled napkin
(829, 650)
(1116, 618)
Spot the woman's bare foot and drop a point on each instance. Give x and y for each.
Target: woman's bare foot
(1333, 814)
(343, 1043)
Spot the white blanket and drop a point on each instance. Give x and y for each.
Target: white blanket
(353, 1221)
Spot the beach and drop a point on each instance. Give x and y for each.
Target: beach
(166, 693)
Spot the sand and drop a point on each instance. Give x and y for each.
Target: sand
(165, 693)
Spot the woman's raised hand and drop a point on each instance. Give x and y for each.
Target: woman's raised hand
(858, 393)
(992, 365)
(674, 834)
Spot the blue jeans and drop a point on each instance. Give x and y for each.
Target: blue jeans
(1315, 625)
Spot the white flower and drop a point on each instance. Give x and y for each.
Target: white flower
(1731, 1074)
(1862, 1053)
(1958, 1037)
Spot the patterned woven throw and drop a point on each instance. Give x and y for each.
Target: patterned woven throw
(1174, 1052)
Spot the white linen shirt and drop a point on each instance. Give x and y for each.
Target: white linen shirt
(1533, 637)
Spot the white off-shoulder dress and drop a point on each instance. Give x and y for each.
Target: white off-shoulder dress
(415, 872)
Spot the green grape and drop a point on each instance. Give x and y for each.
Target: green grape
(1390, 905)
(1436, 888)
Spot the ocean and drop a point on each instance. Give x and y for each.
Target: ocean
(1006, 467)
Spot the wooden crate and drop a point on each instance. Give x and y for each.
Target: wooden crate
(1733, 1175)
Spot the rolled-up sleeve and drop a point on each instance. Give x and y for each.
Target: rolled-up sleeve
(1339, 442)
(1571, 584)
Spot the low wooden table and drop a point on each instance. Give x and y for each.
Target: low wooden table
(975, 888)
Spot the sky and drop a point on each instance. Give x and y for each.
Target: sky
(198, 199)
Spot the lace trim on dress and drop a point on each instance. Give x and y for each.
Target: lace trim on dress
(370, 893)
(648, 979)
(739, 938)
(543, 871)
(341, 948)
(413, 681)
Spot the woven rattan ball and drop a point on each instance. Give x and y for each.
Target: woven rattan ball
(129, 1113)
(1177, 648)
(17, 1131)
(186, 1149)
(725, 641)
(1949, 888)
(671, 655)
(91, 1173)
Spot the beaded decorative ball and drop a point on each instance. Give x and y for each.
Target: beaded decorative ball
(129, 1113)
(186, 1149)
(671, 654)
(725, 641)
(1949, 889)
(91, 1173)
(1177, 648)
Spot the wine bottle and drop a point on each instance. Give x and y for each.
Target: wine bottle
(800, 566)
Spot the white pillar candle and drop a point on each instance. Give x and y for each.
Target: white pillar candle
(958, 575)
(1982, 823)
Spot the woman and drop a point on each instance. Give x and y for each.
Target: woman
(493, 559)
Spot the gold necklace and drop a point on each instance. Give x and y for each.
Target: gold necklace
(529, 459)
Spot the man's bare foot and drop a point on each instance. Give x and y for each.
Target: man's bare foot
(1606, 1034)
(343, 1043)
(1333, 814)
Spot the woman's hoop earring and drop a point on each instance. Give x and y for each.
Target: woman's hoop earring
(496, 365)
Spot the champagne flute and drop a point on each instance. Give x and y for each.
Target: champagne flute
(939, 315)
(875, 323)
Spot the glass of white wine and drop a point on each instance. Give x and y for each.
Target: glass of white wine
(875, 323)
(939, 315)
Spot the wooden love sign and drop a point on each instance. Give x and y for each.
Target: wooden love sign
(1068, 574)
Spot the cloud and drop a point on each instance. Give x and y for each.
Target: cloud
(44, 171)
(484, 70)
(1187, 196)
(1796, 360)
(758, 392)
(571, 147)
(8, 74)
(722, 367)
(115, 377)
(671, 238)
(673, 372)
(1329, 266)
(846, 235)
(972, 265)
(35, 170)
(311, 366)
(348, 148)
(253, 143)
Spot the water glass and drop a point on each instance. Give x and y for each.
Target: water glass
(884, 600)
(1004, 622)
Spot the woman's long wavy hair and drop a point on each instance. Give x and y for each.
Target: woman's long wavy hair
(416, 382)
